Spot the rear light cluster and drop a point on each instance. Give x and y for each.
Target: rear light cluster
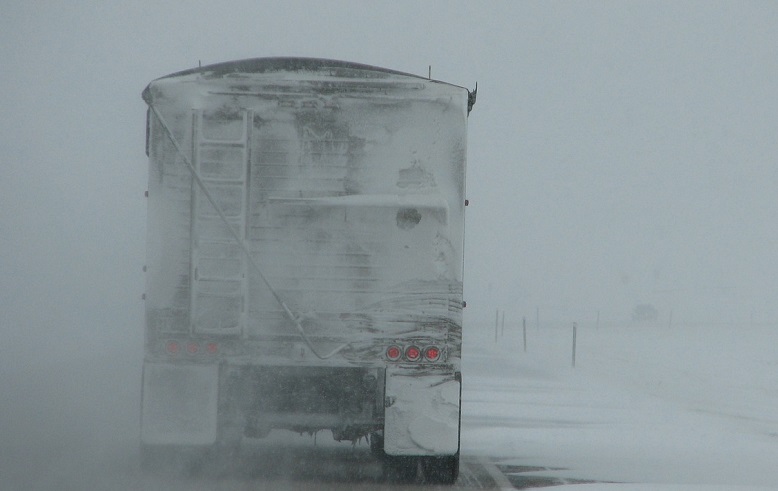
(413, 353)
(191, 348)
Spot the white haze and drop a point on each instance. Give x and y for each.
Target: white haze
(620, 153)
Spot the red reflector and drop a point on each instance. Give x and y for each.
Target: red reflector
(432, 353)
(212, 348)
(172, 347)
(192, 348)
(393, 353)
(412, 353)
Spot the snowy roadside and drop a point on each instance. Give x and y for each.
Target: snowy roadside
(687, 406)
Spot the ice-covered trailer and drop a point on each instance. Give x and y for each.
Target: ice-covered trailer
(305, 258)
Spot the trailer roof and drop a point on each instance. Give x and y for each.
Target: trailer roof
(336, 68)
(290, 64)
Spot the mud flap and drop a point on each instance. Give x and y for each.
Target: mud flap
(422, 413)
(179, 404)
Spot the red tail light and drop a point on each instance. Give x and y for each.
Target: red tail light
(192, 347)
(412, 353)
(393, 353)
(432, 353)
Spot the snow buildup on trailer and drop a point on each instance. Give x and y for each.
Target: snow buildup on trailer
(385, 205)
(388, 215)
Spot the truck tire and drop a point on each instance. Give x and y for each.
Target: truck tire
(400, 469)
(441, 470)
(396, 468)
(377, 445)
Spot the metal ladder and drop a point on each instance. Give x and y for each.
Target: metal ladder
(219, 269)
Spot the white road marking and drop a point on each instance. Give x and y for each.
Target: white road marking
(499, 479)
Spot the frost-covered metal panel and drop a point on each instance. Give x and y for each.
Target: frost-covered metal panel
(357, 209)
(179, 404)
(354, 199)
(422, 413)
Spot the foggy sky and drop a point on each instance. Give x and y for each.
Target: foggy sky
(619, 152)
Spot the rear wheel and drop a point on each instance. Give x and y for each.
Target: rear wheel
(441, 470)
(396, 468)
(377, 445)
(400, 468)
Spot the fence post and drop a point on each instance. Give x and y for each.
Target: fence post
(524, 329)
(496, 323)
(575, 332)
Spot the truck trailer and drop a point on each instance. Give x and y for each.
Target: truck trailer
(305, 259)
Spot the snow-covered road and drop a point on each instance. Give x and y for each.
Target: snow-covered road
(644, 408)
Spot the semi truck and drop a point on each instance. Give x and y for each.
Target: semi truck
(305, 238)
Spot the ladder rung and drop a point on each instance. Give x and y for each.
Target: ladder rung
(223, 143)
(223, 181)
